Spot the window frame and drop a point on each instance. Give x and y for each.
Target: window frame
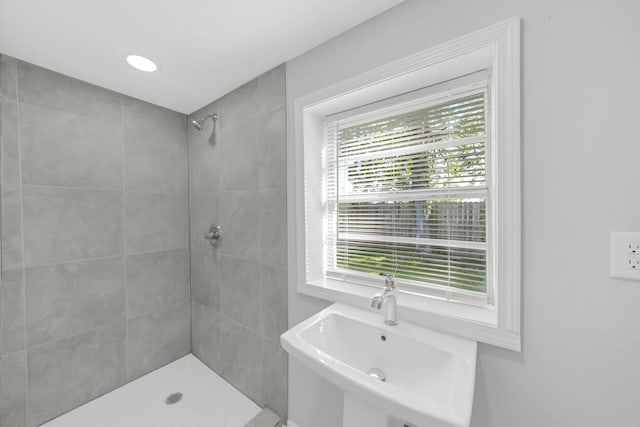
(496, 48)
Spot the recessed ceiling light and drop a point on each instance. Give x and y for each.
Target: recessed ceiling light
(142, 63)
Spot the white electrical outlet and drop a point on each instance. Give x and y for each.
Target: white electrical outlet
(632, 263)
(633, 248)
(625, 255)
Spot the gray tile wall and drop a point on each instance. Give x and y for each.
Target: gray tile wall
(239, 288)
(95, 241)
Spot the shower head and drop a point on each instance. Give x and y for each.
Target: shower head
(196, 124)
(199, 125)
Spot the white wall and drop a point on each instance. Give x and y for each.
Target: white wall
(580, 364)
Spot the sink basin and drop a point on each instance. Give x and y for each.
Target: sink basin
(429, 376)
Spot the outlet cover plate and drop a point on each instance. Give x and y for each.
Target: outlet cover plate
(620, 241)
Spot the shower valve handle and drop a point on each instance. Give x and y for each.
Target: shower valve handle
(214, 233)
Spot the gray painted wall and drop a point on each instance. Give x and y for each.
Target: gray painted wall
(95, 258)
(239, 288)
(579, 365)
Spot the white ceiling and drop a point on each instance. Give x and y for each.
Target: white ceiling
(204, 48)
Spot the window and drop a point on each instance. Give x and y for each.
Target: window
(407, 193)
(414, 169)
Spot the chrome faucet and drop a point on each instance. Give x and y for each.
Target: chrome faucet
(388, 295)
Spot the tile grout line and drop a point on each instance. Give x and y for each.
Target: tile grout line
(105, 189)
(221, 141)
(284, 416)
(242, 190)
(124, 245)
(157, 310)
(156, 251)
(22, 240)
(80, 260)
(105, 325)
(261, 309)
(189, 231)
(244, 258)
(2, 144)
(70, 113)
(57, 340)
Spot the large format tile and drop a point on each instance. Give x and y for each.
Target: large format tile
(8, 77)
(229, 348)
(239, 106)
(272, 88)
(204, 212)
(68, 299)
(255, 98)
(240, 290)
(273, 303)
(9, 136)
(39, 86)
(205, 278)
(156, 147)
(239, 151)
(274, 377)
(72, 371)
(11, 227)
(13, 391)
(156, 221)
(155, 162)
(205, 335)
(69, 150)
(240, 218)
(137, 114)
(240, 358)
(273, 227)
(157, 280)
(69, 224)
(272, 171)
(158, 338)
(12, 311)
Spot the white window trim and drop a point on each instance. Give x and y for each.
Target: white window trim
(496, 47)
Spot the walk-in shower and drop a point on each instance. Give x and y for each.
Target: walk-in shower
(199, 125)
(97, 307)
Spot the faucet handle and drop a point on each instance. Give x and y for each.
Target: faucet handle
(377, 301)
(388, 281)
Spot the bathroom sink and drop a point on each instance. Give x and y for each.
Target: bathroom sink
(428, 376)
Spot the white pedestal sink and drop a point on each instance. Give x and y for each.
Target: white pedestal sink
(429, 376)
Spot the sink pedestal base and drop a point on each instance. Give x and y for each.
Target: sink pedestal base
(358, 414)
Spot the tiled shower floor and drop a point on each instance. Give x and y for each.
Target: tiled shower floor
(207, 400)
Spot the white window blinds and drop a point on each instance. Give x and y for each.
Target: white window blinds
(407, 193)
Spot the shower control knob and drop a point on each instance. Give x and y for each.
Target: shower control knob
(214, 234)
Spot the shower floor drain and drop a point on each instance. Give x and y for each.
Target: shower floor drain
(174, 398)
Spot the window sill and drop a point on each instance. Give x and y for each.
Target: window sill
(468, 321)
